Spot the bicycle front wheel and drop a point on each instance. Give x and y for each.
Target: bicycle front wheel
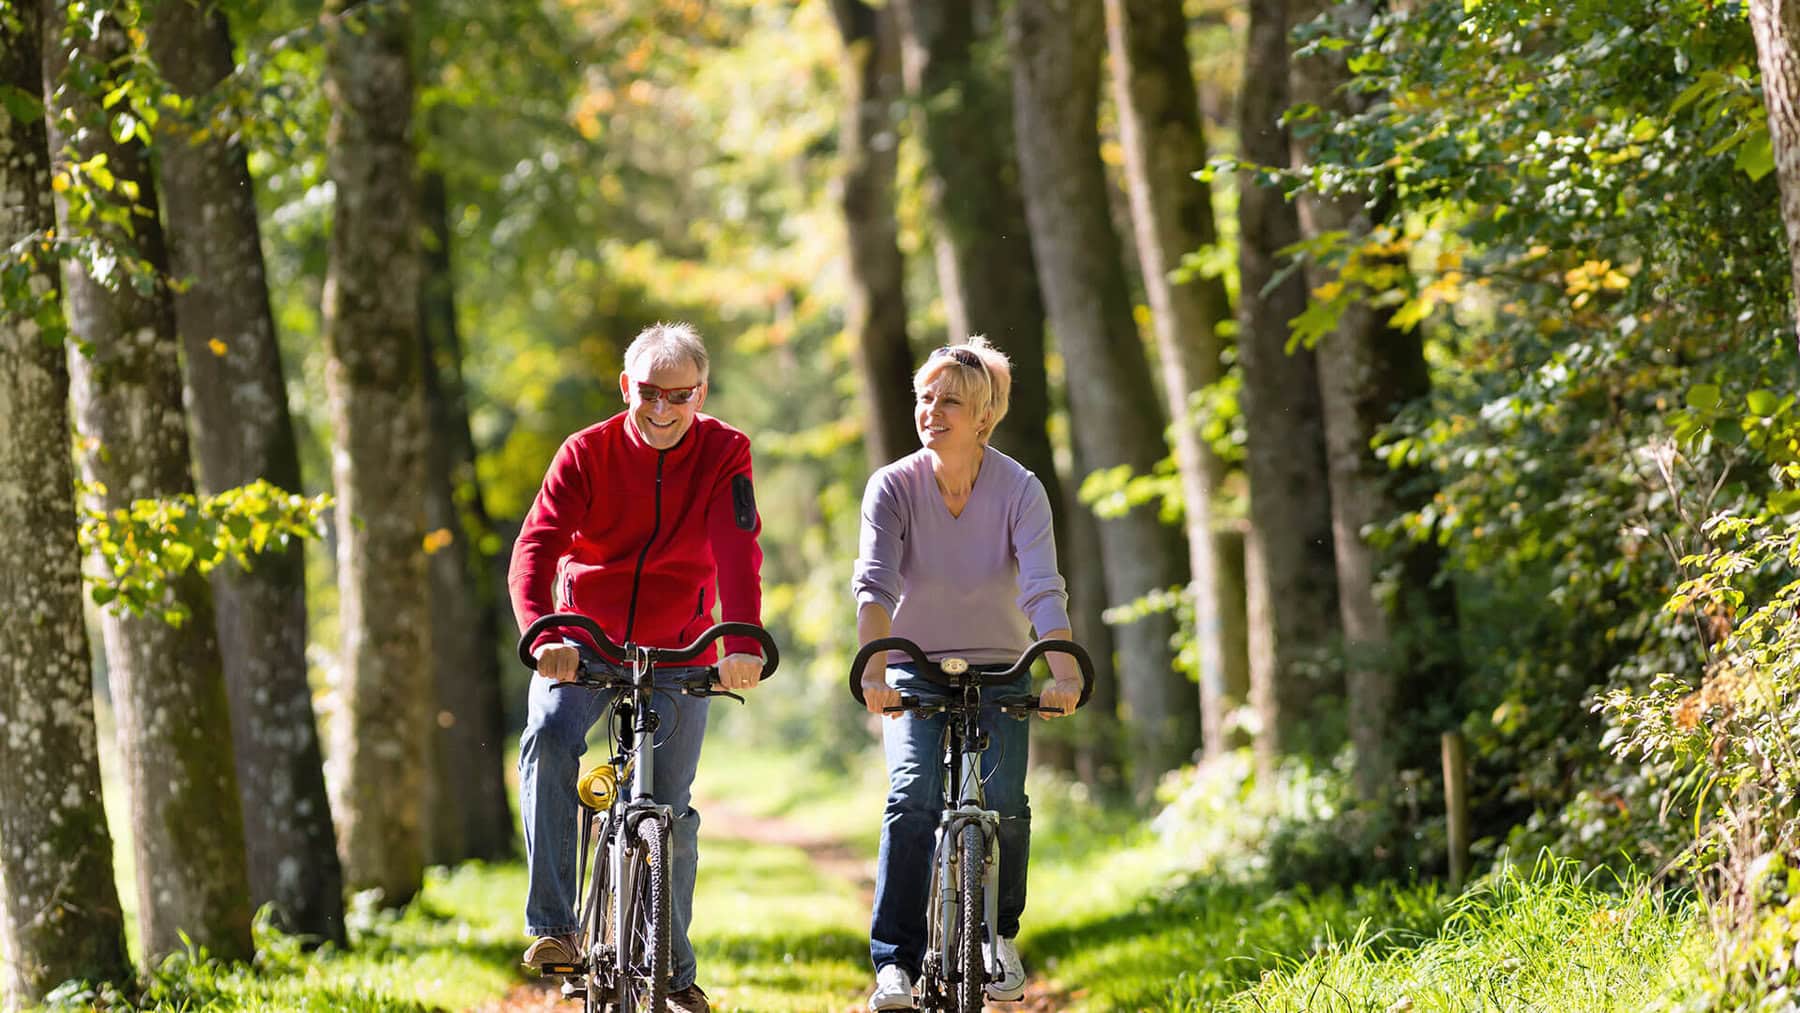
(646, 986)
(972, 861)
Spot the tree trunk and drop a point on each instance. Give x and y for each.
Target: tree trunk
(168, 681)
(957, 79)
(1776, 25)
(374, 383)
(1368, 370)
(1056, 70)
(242, 432)
(60, 916)
(1290, 503)
(470, 815)
(1165, 144)
(869, 144)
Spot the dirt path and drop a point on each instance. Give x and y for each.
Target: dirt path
(833, 857)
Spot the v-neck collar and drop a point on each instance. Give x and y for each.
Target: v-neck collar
(938, 493)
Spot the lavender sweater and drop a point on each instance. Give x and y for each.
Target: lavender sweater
(972, 586)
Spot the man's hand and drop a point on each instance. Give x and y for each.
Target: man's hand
(558, 662)
(877, 694)
(740, 671)
(1062, 694)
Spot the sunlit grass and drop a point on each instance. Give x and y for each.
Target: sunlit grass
(1544, 938)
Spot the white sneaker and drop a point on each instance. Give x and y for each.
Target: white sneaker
(893, 989)
(1007, 982)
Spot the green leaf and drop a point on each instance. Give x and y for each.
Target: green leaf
(1756, 157)
(1703, 397)
(1763, 402)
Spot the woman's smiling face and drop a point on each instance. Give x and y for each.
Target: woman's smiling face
(649, 398)
(944, 418)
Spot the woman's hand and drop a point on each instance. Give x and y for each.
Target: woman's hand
(1063, 694)
(877, 694)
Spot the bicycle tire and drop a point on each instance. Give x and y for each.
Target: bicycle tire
(594, 927)
(646, 988)
(972, 855)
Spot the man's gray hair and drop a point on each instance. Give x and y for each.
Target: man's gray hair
(664, 346)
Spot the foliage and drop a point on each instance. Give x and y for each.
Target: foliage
(145, 548)
(1571, 201)
(1729, 744)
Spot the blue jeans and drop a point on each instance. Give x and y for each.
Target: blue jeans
(914, 746)
(556, 727)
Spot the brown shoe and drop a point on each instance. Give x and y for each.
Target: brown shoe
(689, 1000)
(552, 954)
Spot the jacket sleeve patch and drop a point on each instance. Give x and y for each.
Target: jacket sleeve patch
(743, 502)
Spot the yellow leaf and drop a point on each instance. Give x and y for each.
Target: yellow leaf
(438, 540)
(217, 346)
(60, 182)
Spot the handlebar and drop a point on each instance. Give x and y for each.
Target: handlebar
(934, 672)
(654, 655)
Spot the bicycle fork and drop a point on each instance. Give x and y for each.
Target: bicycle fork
(969, 811)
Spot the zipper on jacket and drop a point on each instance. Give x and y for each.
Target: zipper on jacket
(655, 526)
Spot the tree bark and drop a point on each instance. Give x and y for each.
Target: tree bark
(374, 383)
(1165, 144)
(1056, 46)
(1368, 370)
(869, 145)
(60, 915)
(1776, 25)
(168, 682)
(470, 815)
(1290, 504)
(956, 76)
(242, 431)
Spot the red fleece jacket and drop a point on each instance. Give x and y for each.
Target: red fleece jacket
(636, 538)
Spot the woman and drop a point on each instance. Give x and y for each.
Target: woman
(956, 554)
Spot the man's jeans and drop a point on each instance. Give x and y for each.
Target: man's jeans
(914, 746)
(556, 727)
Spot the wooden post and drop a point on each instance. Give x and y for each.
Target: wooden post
(1456, 807)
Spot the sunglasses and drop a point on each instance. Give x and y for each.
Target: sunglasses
(960, 355)
(649, 392)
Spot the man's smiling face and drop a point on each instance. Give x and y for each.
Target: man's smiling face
(660, 422)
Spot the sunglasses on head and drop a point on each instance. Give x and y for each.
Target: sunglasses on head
(649, 392)
(960, 355)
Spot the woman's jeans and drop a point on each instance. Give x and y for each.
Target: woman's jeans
(556, 726)
(914, 747)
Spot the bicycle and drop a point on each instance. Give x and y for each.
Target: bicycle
(625, 916)
(962, 909)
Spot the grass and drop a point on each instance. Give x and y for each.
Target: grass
(454, 947)
(1544, 938)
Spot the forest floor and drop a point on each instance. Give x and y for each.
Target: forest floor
(1118, 919)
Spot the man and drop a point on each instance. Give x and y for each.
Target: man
(638, 518)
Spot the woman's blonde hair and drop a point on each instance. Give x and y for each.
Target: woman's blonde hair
(975, 371)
